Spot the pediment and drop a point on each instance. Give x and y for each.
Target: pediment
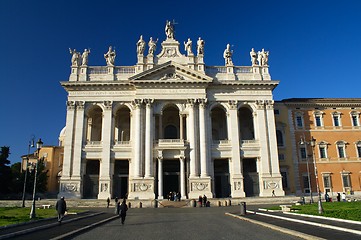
(171, 72)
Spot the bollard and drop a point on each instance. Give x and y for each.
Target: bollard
(243, 208)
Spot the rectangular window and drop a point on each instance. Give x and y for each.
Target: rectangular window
(318, 121)
(277, 112)
(303, 153)
(341, 152)
(305, 184)
(354, 121)
(323, 152)
(281, 157)
(336, 121)
(299, 121)
(346, 181)
(359, 151)
(327, 181)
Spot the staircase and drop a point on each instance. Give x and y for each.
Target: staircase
(173, 204)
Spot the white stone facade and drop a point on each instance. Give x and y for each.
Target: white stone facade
(170, 123)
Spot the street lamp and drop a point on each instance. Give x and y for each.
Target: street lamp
(31, 145)
(313, 144)
(303, 143)
(39, 145)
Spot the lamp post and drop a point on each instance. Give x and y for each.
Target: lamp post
(39, 145)
(313, 144)
(304, 144)
(31, 145)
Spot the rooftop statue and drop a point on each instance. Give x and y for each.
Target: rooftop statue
(253, 55)
(200, 46)
(110, 56)
(85, 57)
(152, 46)
(188, 47)
(140, 46)
(262, 57)
(169, 30)
(227, 54)
(75, 58)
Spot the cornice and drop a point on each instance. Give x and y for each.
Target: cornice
(322, 102)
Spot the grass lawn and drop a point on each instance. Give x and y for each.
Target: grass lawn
(343, 210)
(12, 215)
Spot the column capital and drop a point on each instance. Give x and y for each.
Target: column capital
(70, 105)
(232, 104)
(148, 101)
(108, 105)
(260, 104)
(80, 105)
(202, 102)
(137, 103)
(191, 102)
(269, 104)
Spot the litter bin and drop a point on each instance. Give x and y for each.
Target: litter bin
(243, 208)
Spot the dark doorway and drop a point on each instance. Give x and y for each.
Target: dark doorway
(171, 171)
(120, 179)
(221, 178)
(251, 178)
(91, 179)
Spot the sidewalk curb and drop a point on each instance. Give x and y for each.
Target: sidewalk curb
(276, 228)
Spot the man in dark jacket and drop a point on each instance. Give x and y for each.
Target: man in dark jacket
(60, 208)
(123, 211)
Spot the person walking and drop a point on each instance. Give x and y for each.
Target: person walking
(60, 208)
(108, 202)
(123, 211)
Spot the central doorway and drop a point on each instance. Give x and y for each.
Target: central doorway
(120, 179)
(221, 178)
(171, 175)
(251, 178)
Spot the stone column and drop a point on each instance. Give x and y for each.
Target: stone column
(276, 182)
(137, 138)
(160, 130)
(78, 141)
(149, 128)
(182, 177)
(191, 137)
(203, 138)
(105, 174)
(181, 126)
(160, 177)
(68, 141)
(235, 163)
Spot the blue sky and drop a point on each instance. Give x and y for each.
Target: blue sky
(315, 49)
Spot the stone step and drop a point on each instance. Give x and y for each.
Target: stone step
(173, 204)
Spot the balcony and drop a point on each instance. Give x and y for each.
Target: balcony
(170, 143)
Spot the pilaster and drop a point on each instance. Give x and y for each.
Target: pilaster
(191, 137)
(78, 141)
(149, 128)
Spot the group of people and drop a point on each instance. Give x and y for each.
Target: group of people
(339, 197)
(174, 196)
(121, 209)
(203, 202)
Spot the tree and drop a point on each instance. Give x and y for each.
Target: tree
(17, 177)
(5, 170)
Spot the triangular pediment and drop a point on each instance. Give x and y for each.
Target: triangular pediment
(171, 72)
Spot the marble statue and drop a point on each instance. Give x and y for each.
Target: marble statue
(227, 54)
(152, 46)
(188, 47)
(110, 56)
(259, 58)
(169, 30)
(264, 57)
(85, 57)
(200, 46)
(140, 46)
(253, 55)
(75, 57)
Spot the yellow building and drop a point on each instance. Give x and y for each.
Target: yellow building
(334, 124)
(53, 161)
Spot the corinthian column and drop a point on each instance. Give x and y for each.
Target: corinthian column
(191, 138)
(148, 137)
(203, 138)
(68, 143)
(182, 177)
(160, 177)
(78, 140)
(137, 103)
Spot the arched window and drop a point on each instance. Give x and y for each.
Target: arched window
(170, 132)
(219, 124)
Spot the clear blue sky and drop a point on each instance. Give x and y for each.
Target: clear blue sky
(315, 49)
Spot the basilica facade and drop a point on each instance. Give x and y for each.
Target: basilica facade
(170, 123)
